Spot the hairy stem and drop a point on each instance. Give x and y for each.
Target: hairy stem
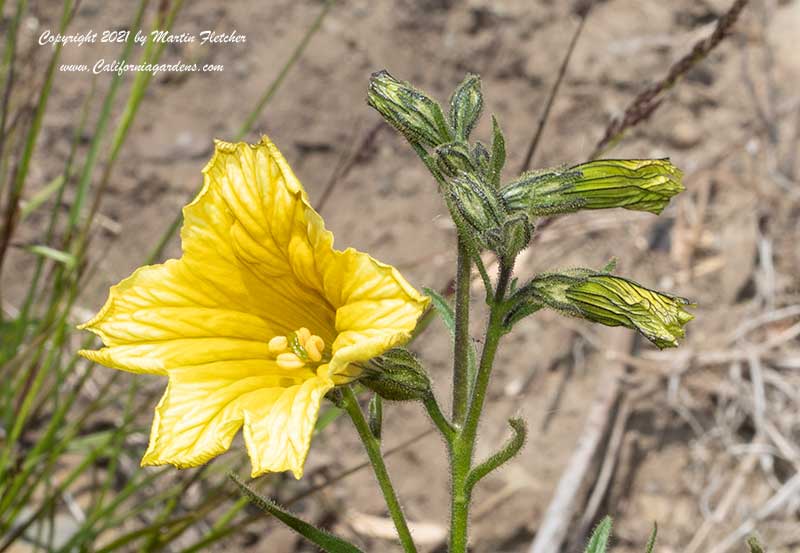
(464, 443)
(373, 447)
(461, 384)
(438, 418)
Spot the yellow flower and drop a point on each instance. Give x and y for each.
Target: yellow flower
(257, 320)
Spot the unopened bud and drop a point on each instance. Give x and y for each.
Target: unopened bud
(480, 209)
(466, 105)
(517, 232)
(612, 301)
(637, 184)
(454, 158)
(399, 376)
(419, 118)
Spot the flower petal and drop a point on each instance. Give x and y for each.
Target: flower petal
(267, 231)
(278, 432)
(376, 307)
(155, 319)
(204, 406)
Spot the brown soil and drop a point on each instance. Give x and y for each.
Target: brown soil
(729, 243)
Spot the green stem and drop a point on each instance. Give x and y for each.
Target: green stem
(461, 383)
(373, 447)
(464, 443)
(438, 418)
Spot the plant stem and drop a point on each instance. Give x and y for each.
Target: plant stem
(438, 418)
(461, 383)
(373, 447)
(464, 443)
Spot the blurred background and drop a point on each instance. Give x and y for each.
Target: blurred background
(94, 169)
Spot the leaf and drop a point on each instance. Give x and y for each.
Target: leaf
(327, 417)
(754, 545)
(445, 311)
(376, 416)
(598, 543)
(40, 197)
(322, 539)
(59, 256)
(651, 543)
(498, 153)
(442, 307)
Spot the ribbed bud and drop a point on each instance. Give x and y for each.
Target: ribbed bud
(466, 105)
(454, 158)
(409, 110)
(637, 184)
(611, 301)
(480, 209)
(398, 376)
(517, 231)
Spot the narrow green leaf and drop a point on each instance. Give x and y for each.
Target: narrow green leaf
(376, 416)
(324, 540)
(40, 197)
(445, 311)
(328, 416)
(443, 308)
(59, 256)
(498, 152)
(598, 543)
(651, 543)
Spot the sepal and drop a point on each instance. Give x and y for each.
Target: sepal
(397, 376)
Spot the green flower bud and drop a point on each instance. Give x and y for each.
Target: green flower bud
(517, 231)
(480, 208)
(419, 118)
(611, 301)
(397, 376)
(454, 158)
(637, 184)
(466, 105)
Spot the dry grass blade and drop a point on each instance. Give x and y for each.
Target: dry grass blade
(643, 106)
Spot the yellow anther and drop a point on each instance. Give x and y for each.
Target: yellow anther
(314, 346)
(303, 334)
(289, 361)
(278, 344)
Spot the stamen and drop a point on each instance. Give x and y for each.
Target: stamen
(278, 344)
(289, 361)
(314, 347)
(303, 334)
(297, 349)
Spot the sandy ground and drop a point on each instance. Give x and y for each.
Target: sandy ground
(729, 242)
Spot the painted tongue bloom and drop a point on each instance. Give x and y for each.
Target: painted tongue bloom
(257, 320)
